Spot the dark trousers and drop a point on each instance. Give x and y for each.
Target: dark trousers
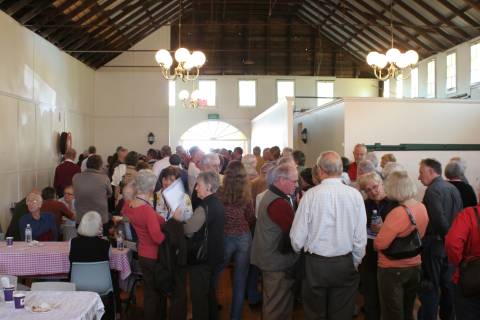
(466, 308)
(329, 287)
(369, 288)
(436, 293)
(204, 302)
(154, 305)
(397, 288)
(178, 299)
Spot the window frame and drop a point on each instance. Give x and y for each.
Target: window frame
(286, 81)
(319, 100)
(412, 95)
(454, 76)
(386, 93)
(477, 82)
(256, 90)
(215, 95)
(429, 95)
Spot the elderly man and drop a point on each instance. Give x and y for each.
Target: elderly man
(443, 202)
(196, 155)
(65, 171)
(161, 164)
(330, 226)
(91, 151)
(359, 154)
(271, 249)
(42, 223)
(57, 208)
(92, 190)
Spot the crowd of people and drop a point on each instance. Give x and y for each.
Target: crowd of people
(316, 236)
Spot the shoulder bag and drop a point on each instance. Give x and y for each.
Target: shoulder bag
(197, 247)
(470, 269)
(405, 247)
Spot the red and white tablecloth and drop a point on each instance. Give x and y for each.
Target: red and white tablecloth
(50, 258)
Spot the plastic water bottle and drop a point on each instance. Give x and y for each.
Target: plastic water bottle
(28, 234)
(120, 245)
(376, 219)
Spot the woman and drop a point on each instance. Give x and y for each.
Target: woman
(235, 195)
(124, 173)
(210, 215)
(250, 163)
(146, 223)
(372, 184)
(462, 243)
(398, 280)
(454, 173)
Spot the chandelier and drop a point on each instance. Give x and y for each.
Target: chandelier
(188, 64)
(393, 64)
(192, 100)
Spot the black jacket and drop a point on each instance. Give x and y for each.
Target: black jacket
(89, 249)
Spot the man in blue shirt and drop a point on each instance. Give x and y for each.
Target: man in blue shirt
(42, 224)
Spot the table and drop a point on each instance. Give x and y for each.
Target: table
(50, 258)
(72, 305)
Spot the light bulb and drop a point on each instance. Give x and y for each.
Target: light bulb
(195, 95)
(182, 55)
(392, 55)
(403, 61)
(381, 60)
(183, 95)
(189, 64)
(372, 58)
(198, 58)
(412, 56)
(163, 57)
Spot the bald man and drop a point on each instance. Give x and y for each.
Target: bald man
(43, 224)
(359, 154)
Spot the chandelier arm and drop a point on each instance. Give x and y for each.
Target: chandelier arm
(191, 77)
(166, 74)
(378, 74)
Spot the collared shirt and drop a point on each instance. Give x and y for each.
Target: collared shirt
(43, 229)
(193, 172)
(331, 221)
(160, 165)
(118, 174)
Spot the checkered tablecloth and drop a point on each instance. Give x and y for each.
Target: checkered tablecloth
(50, 258)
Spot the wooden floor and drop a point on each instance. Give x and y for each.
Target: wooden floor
(224, 298)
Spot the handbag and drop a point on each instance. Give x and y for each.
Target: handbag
(405, 247)
(197, 249)
(470, 270)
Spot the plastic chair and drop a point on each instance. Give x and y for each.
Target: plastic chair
(53, 286)
(92, 276)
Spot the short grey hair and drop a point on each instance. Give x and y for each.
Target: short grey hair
(281, 171)
(210, 178)
(391, 167)
(287, 151)
(365, 166)
(145, 181)
(328, 165)
(211, 160)
(373, 158)
(90, 225)
(400, 187)
(249, 161)
(454, 169)
(286, 160)
(364, 179)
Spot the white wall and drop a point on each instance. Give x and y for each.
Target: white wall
(42, 93)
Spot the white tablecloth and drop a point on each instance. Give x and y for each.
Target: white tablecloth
(74, 305)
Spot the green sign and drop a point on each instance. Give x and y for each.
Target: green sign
(213, 116)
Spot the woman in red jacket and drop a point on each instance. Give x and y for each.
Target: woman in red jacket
(463, 243)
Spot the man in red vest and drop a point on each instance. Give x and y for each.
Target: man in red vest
(359, 153)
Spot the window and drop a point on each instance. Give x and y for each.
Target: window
(399, 89)
(414, 83)
(171, 93)
(247, 93)
(451, 72)
(386, 88)
(475, 63)
(207, 90)
(431, 79)
(324, 90)
(285, 88)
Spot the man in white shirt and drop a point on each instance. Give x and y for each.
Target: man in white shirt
(330, 226)
(91, 151)
(161, 164)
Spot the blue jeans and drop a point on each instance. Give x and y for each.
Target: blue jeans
(238, 249)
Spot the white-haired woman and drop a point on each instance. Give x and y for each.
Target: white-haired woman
(88, 246)
(146, 223)
(398, 279)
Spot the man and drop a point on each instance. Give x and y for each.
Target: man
(19, 211)
(271, 249)
(443, 202)
(91, 151)
(151, 156)
(92, 190)
(184, 157)
(330, 226)
(266, 155)
(193, 170)
(260, 161)
(237, 154)
(42, 223)
(55, 207)
(359, 153)
(166, 152)
(274, 153)
(299, 158)
(65, 172)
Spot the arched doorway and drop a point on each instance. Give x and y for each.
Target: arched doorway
(216, 134)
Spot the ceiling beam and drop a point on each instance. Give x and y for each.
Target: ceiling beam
(67, 18)
(460, 13)
(17, 6)
(39, 8)
(47, 17)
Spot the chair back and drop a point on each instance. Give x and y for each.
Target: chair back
(92, 276)
(53, 286)
(11, 279)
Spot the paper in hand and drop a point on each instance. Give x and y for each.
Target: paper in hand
(174, 195)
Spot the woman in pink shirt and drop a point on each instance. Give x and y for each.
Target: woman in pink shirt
(398, 280)
(146, 223)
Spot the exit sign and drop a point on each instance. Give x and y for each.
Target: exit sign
(213, 116)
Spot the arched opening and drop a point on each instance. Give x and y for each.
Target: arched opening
(216, 134)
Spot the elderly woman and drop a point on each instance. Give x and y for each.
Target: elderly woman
(376, 202)
(386, 158)
(235, 194)
(398, 279)
(209, 216)
(146, 223)
(249, 161)
(454, 171)
(44, 227)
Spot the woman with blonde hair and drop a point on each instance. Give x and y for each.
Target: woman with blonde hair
(235, 194)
